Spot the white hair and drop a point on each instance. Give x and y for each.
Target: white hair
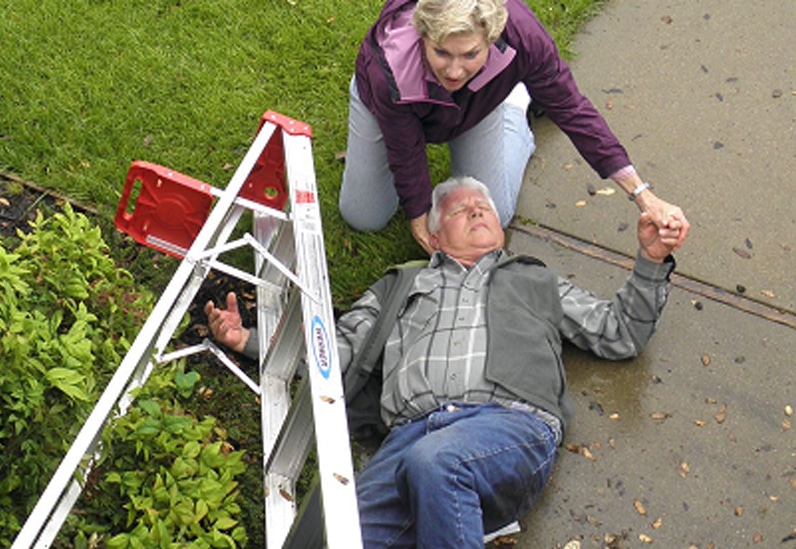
(447, 187)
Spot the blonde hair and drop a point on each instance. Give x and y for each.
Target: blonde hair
(436, 20)
(445, 188)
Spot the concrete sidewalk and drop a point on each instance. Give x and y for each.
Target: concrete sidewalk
(689, 445)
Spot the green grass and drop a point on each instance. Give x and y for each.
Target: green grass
(88, 86)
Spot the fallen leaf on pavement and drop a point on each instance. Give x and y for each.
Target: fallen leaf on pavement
(684, 469)
(721, 415)
(742, 253)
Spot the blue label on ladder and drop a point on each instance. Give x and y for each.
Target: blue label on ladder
(321, 348)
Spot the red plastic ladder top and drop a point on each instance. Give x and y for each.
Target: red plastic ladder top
(169, 210)
(171, 207)
(266, 181)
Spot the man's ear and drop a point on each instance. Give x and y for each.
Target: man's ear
(433, 241)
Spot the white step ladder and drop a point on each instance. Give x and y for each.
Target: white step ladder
(175, 214)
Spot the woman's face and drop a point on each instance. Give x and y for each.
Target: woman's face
(457, 59)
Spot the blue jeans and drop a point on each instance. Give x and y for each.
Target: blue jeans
(449, 477)
(495, 151)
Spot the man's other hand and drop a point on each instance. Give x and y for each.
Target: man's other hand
(226, 324)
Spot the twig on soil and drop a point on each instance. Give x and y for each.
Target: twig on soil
(46, 192)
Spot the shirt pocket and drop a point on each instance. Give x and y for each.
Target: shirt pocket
(419, 311)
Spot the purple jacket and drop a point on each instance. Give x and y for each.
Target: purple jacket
(412, 109)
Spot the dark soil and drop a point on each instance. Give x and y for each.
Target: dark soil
(18, 205)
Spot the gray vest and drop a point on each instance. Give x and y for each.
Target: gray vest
(524, 346)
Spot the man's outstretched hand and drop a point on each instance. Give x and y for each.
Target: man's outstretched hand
(226, 325)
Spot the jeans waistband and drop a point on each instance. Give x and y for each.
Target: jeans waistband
(549, 419)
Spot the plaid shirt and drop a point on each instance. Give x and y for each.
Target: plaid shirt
(436, 352)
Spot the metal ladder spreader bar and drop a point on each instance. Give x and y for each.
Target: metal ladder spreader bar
(208, 346)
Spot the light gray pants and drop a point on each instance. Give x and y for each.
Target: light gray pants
(495, 152)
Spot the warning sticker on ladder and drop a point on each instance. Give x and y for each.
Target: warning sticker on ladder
(307, 215)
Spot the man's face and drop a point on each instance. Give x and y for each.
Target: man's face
(456, 59)
(469, 227)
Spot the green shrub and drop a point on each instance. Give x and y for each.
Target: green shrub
(67, 314)
(67, 317)
(174, 475)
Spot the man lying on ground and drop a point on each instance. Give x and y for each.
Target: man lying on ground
(474, 391)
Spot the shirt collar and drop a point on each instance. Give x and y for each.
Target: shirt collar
(440, 260)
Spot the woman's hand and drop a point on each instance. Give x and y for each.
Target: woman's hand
(419, 226)
(664, 215)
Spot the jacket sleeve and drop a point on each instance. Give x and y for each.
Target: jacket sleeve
(355, 325)
(552, 87)
(402, 131)
(621, 327)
